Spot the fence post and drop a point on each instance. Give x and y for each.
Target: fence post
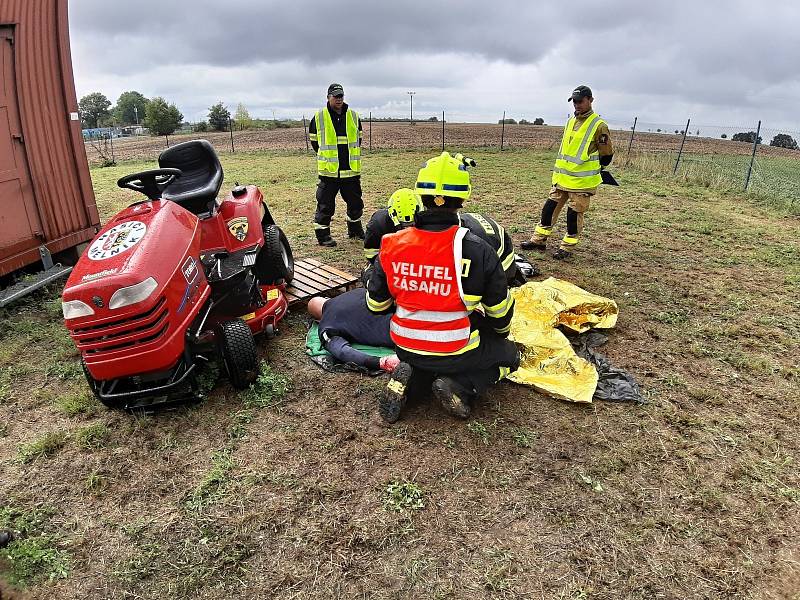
(680, 151)
(305, 132)
(370, 131)
(752, 157)
(166, 136)
(503, 131)
(111, 138)
(442, 131)
(230, 128)
(630, 143)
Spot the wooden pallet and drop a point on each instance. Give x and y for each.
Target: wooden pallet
(312, 278)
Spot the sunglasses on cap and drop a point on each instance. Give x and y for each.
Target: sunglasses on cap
(338, 95)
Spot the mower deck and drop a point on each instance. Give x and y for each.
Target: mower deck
(312, 278)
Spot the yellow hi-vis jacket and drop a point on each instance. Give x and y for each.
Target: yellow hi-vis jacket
(328, 152)
(575, 168)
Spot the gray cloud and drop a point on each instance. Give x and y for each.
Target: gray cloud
(721, 60)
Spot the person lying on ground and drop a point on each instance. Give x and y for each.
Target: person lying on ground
(345, 320)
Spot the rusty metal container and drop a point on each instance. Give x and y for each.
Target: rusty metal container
(46, 196)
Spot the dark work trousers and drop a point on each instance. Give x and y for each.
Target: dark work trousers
(475, 370)
(327, 188)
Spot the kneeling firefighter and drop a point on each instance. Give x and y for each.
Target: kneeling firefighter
(400, 212)
(438, 273)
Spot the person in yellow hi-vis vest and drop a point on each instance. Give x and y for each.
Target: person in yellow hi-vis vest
(585, 149)
(335, 134)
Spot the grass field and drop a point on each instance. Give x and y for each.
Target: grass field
(295, 489)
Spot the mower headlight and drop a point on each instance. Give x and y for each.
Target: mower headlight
(75, 308)
(133, 293)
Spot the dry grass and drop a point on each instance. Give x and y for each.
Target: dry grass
(693, 495)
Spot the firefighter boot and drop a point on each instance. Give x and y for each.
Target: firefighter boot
(392, 398)
(453, 397)
(324, 237)
(355, 230)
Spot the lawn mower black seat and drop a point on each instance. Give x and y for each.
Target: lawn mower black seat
(202, 175)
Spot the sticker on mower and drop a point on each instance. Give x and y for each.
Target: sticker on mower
(104, 273)
(117, 240)
(189, 269)
(238, 227)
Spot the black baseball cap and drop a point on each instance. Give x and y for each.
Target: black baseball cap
(335, 89)
(582, 91)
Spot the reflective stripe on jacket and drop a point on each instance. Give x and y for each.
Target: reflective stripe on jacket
(328, 152)
(423, 273)
(575, 168)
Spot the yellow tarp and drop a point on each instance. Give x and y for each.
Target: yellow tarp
(549, 364)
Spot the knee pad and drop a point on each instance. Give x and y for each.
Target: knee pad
(547, 212)
(572, 222)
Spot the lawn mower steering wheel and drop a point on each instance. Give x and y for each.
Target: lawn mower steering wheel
(150, 183)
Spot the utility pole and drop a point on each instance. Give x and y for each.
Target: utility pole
(136, 114)
(412, 105)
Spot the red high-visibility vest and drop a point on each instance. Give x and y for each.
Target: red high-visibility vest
(423, 271)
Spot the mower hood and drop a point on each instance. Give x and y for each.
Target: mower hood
(133, 259)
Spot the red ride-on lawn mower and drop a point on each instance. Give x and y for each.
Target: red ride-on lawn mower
(174, 280)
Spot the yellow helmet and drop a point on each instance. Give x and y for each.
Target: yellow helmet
(403, 206)
(445, 175)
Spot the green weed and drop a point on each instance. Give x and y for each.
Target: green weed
(268, 390)
(93, 437)
(80, 403)
(45, 445)
(523, 438)
(33, 556)
(480, 430)
(403, 496)
(212, 488)
(65, 371)
(95, 483)
(33, 559)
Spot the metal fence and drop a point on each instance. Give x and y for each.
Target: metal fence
(755, 158)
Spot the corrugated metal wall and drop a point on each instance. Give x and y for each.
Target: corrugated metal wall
(52, 136)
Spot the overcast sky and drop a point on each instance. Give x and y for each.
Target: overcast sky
(720, 62)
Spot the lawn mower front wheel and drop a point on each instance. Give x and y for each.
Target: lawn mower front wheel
(237, 350)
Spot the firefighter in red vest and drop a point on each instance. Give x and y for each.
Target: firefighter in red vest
(437, 274)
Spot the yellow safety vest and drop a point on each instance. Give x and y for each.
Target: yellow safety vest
(328, 152)
(575, 168)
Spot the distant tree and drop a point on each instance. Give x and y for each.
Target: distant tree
(93, 107)
(124, 111)
(162, 118)
(507, 121)
(724, 136)
(524, 122)
(199, 127)
(750, 136)
(538, 121)
(676, 131)
(658, 130)
(784, 140)
(433, 119)
(218, 117)
(242, 117)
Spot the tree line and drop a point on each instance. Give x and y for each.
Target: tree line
(156, 114)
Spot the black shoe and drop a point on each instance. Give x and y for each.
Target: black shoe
(328, 242)
(562, 254)
(392, 398)
(531, 245)
(355, 231)
(451, 396)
